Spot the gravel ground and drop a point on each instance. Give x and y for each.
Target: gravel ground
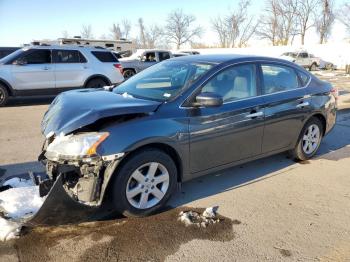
(272, 209)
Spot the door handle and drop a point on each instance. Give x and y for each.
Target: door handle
(46, 68)
(254, 115)
(303, 104)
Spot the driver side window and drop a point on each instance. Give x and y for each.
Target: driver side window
(39, 56)
(149, 57)
(234, 83)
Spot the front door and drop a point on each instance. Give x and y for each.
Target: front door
(233, 131)
(33, 70)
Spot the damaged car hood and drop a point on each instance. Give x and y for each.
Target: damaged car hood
(75, 109)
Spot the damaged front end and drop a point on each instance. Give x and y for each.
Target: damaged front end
(77, 179)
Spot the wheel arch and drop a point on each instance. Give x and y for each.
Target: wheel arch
(7, 86)
(105, 78)
(322, 119)
(166, 148)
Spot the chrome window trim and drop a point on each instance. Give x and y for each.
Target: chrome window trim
(248, 98)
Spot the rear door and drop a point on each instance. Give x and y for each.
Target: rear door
(70, 67)
(233, 131)
(286, 106)
(33, 70)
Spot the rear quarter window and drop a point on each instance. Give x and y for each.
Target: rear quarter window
(105, 57)
(304, 78)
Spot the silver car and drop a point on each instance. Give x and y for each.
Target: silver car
(48, 70)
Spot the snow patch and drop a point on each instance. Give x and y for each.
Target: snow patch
(18, 182)
(16, 205)
(208, 217)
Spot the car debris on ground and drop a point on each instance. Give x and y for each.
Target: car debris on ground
(208, 217)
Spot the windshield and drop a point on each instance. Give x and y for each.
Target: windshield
(11, 56)
(163, 81)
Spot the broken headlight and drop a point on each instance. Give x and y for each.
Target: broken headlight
(75, 146)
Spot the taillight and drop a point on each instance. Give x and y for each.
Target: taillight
(119, 67)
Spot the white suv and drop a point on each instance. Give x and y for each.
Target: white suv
(48, 70)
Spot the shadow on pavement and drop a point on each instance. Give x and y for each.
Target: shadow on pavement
(30, 101)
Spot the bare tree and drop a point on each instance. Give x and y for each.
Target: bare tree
(269, 24)
(116, 32)
(325, 20)
(126, 28)
(154, 36)
(344, 16)
(180, 28)
(219, 26)
(279, 23)
(235, 29)
(86, 31)
(143, 41)
(306, 11)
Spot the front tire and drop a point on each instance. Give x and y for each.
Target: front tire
(144, 183)
(4, 95)
(313, 67)
(309, 140)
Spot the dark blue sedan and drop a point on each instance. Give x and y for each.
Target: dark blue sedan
(180, 119)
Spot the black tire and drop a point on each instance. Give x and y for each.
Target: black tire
(298, 153)
(4, 95)
(313, 67)
(123, 174)
(127, 73)
(96, 83)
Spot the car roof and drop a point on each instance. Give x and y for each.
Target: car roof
(222, 58)
(71, 47)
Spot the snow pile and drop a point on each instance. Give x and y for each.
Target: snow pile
(17, 204)
(335, 53)
(208, 217)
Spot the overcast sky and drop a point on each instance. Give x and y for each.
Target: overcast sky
(22, 21)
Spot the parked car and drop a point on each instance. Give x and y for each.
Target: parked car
(5, 51)
(143, 59)
(177, 120)
(303, 59)
(48, 70)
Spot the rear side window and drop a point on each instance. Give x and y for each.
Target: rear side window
(39, 56)
(304, 78)
(106, 57)
(68, 56)
(163, 56)
(278, 78)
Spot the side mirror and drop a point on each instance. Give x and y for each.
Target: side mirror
(208, 99)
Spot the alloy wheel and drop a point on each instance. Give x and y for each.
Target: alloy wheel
(311, 139)
(147, 185)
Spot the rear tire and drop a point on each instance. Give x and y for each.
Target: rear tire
(4, 95)
(96, 83)
(144, 183)
(128, 73)
(309, 140)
